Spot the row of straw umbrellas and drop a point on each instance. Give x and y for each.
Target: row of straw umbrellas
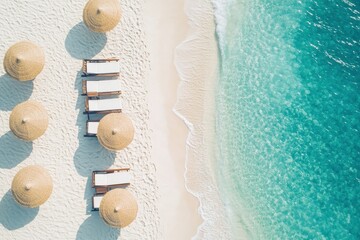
(29, 121)
(32, 186)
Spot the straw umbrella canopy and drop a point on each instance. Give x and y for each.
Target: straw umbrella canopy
(32, 186)
(102, 15)
(118, 208)
(24, 61)
(29, 120)
(115, 131)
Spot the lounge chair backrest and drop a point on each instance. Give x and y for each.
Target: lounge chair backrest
(116, 178)
(104, 104)
(103, 86)
(102, 67)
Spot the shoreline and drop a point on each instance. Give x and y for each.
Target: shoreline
(197, 63)
(182, 91)
(166, 27)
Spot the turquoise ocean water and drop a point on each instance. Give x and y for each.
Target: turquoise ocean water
(288, 121)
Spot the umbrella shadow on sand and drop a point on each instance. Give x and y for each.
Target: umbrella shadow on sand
(94, 228)
(14, 216)
(90, 155)
(13, 150)
(88, 194)
(81, 43)
(13, 92)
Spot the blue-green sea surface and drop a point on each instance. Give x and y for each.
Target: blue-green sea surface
(288, 118)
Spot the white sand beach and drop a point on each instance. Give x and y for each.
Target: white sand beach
(166, 27)
(146, 46)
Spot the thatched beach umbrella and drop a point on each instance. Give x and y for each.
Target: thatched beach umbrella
(32, 186)
(29, 120)
(118, 208)
(102, 15)
(115, 131)
(24, 61)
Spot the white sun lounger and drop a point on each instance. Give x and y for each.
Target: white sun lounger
(103, 87)
(111, 178)
(96, 201)
(104, 180)
(103, 105)
(91, 128)
(101, 67)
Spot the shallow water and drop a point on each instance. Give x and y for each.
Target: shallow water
(289, 115)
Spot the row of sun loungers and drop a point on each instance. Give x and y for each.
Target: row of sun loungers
(101, 68)
(93, 89)
(108, 90)
(105, 180)
(101, 98)
(101, 95)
